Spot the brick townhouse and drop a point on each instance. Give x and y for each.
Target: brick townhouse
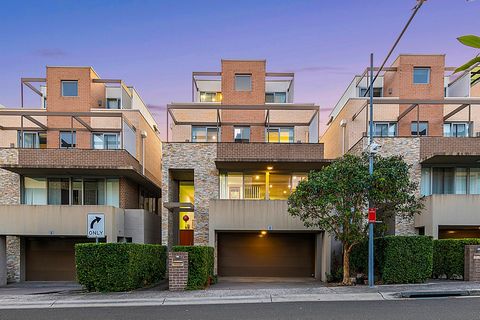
(90, 145)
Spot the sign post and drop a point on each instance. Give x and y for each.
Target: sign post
(96, 226)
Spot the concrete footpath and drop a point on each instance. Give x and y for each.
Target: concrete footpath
(70, 295)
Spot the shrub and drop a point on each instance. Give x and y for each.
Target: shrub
(200, 265)
(398, 259)
(119, 266)
(449, 257)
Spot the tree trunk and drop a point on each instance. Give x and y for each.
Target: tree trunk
(346, 265)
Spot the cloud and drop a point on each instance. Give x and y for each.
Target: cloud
(51, 52)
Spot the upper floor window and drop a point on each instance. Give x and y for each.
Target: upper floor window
(421, 75)
(106, 141)
(113, 103)
(210, 96)
(204, 134)
(241, 134)
(243, 82)
(32, 139)
(70, 88)
(450, 180)
(275, 97)
(280, 135)
(377, 92)
(455, 129)
(67, 139)
(419, 128)
(385, 129)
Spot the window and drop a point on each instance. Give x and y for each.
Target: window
(419, 128)
(58, 191)
(67, 139)
(204, 134)
(280, 135)
(276, 97)
(385, 129)
(210, 96)
(241, 134)
(443, 180)
(450, 180)
(32, 140)
(34, 191)
(254, 185)
(452, 129)
(113, 103)
(421, 75)
(110, 141)
(377, 92)
(474, 177)
(93, 191)
(243, 82)
(70, 88)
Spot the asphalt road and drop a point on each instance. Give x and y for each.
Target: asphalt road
(425, 309)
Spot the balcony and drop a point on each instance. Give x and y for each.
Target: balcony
(448, 210)
(447, 150)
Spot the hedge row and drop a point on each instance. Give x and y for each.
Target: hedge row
(119, 266)
(200, 265)
(449, 257)
(398, 259)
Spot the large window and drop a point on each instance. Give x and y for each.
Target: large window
(70, 88)
(106, 141)
(276, 97)
(243, 82)
(455, 129)
(385, 129)
(377, 92)
(204, 134)
(450, 180)
(67, 139)
(210, 96)
(71, 191)
(259, 185)
(241, 134)
(280, 135)
(421, 75)
(32, 139)
(419, 128)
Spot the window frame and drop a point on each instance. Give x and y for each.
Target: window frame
(418, 125)
(74, 139)
(103, 134)
(360, 94)
(279, 130)
(243, 75)
(242, 139)
(428, 74)
(119, 101)
(453, 134)
(215, 94)
(388, 124)
(275, 94)
(205, 129)
(62, 89)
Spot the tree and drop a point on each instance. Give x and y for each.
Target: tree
(470, 41)
(335, 199)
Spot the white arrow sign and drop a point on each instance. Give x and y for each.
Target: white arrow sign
(96, 225)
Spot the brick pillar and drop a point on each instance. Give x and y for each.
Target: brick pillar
(472, 263)
(177, 271)
(3, 260)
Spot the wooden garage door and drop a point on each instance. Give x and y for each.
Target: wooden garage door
(272, 255)
(51, 259)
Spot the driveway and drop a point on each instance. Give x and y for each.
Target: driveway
(39, 287)
(249, 283)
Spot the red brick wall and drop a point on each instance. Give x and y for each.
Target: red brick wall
(256, 69)
(128, 194)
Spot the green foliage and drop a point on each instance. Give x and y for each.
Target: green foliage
(119, 266)
(200, 265)
(335, 199)
(470, 41)
(398, 259)
(449, 257)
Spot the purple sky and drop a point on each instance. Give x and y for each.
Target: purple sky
(155, 45)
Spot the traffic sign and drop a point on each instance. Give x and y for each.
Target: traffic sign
(372, 215)
(95, 225)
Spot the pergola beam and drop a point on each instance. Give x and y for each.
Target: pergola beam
(455, 111)
(83, 123)
(406, 111)
(35, 121)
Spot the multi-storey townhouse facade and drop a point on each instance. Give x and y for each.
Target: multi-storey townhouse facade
(91, 146)
(431, 117)
(233, 156)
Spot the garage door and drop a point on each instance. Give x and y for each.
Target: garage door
(271, 255)
(51, 259)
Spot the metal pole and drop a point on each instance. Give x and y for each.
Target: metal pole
(371, 280)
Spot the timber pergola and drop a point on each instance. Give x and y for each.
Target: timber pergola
(210, 114)
(415, 104)
(39, 119)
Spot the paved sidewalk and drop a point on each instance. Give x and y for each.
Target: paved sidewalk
(218, 295)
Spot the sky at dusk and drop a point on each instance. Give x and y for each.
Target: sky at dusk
(155, 45)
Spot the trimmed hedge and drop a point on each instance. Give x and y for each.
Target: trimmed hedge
(398, 259)
(200, 265)
(119, 266)
(449, 257)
